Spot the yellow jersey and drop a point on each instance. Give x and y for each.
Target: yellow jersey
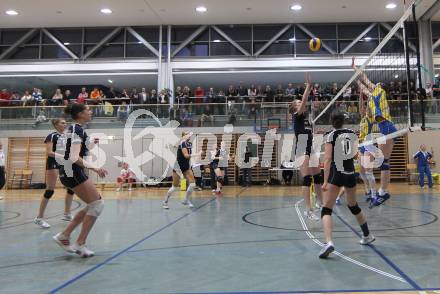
(378, 105)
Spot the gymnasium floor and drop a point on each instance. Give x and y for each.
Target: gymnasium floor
(252, 240)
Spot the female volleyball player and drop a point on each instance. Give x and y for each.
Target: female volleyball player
(366, 152)
(302, 129)
(73, 176)
(183, 165)
(380, 111)
(52, 175)
(339, 172)
(218, 157)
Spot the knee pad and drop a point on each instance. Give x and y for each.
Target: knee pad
(307, 181)
(385, 164)
(355, 210)
(48, 194)
(326, 211)
(318, 179)
(220, 180)
(70, 191)
(95, 208)
(191, 187)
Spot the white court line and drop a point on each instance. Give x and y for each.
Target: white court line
(349, 259)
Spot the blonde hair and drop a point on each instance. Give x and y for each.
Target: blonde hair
(56, 121)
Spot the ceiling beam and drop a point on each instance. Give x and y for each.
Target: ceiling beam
(274, 38)
(229, 39)
(431, 11)
(19, 42)
(311, 35)
(185, 42)
(143, 41)
(102, 42)
(358, 38)
(59, 43)
(436, 44)
(399, 36)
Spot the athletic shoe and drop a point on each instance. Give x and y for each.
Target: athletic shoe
(367, 240)
(118, 190)
(130, 189)
(187, 202)
(338, 201)
(165, 205)
(213, 190)
(190, 205)
(67, 217)
(380, 199)
(82, 250)
(198, 189)
(40, 222)
(63, 242)
(368, 196)
(311, 216)
(326, 250)
(1, 197)
(218, 193)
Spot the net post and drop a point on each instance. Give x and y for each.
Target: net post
(421, 91)
(408, 74)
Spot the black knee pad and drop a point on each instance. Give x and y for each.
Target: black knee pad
(70, 191)
(318, 179)
(307, 181)
(48, 194)
(220, 180)
(385, 164)
(326, 211)
(355, 210)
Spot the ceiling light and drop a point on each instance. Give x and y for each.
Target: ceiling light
(396, 76)
(139, 42)
(106, 10)
(296, 7)
(367, 39)
(11, 12)
(216, 41)
(201, 9)
(66, 43)
(437, 75)
(292, 39)
(391, 5)
(110, 81)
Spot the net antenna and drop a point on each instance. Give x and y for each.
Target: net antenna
(359, 70)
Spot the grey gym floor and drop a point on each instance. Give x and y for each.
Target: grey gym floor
(231, 244)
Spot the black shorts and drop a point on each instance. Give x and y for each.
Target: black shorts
(340, 179)
(79, 176)
(183, 166)
(309, 143)
(51, 163)
(215, 166)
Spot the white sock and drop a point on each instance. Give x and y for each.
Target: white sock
(189, 191)
(381, 192)
(170, 193)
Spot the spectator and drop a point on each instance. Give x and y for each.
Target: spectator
(143, 96)
(252, 93)
(221, 105)
(270, 97)
(126, 176)
(82, 96)
(179, 96)
(242, 94)
(290, 92)
(231, 93)
(27, 99)
(353, 113)
(67, 97)
(206, 115)
(41, 118)
(347, 94)
(153, 97)
(123, 111)
(163, 108)
(260, 94)
(187, 118)
(199, 95)
(111, 93)
(287, 173)
(124, 94)
(95, 95)
(57, 98)
(134, 96)
(5, 96)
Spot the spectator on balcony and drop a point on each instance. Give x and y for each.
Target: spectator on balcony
(220, 100)
(125, 94)
(143, 96)
(67, 99)
(187, 117)
(179, 96)
(57, 98)
(134, 96)
(95, 95)
(290, 92)
(279, 93)
(242, 91)
(111, 93)
(123, 111)
(27, 99)
(231, 93)
(347, 94)
(162, 104)
(206, 115)
(82, 96)
(252, 93)
(186, 96)
(260, 94)
(153, 97)
(353, 112)
(199, 95)
(269, 94)
(5, 97)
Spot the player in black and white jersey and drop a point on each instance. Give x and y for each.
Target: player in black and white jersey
(73, 175)
(183, 166)
(52, 175)
(302, 129)
(339, 171)
(219, 157)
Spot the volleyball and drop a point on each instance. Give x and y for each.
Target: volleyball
(315, 44)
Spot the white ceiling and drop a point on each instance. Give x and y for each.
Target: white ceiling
(68, 13)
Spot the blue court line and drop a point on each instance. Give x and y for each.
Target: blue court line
(312, 291)
(116, 255)
(386, 259)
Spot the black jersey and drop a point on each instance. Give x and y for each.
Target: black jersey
(220, 153)
(180, 156)
(300, 122)
(76, 135)
(53, 138)
(343, 144)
